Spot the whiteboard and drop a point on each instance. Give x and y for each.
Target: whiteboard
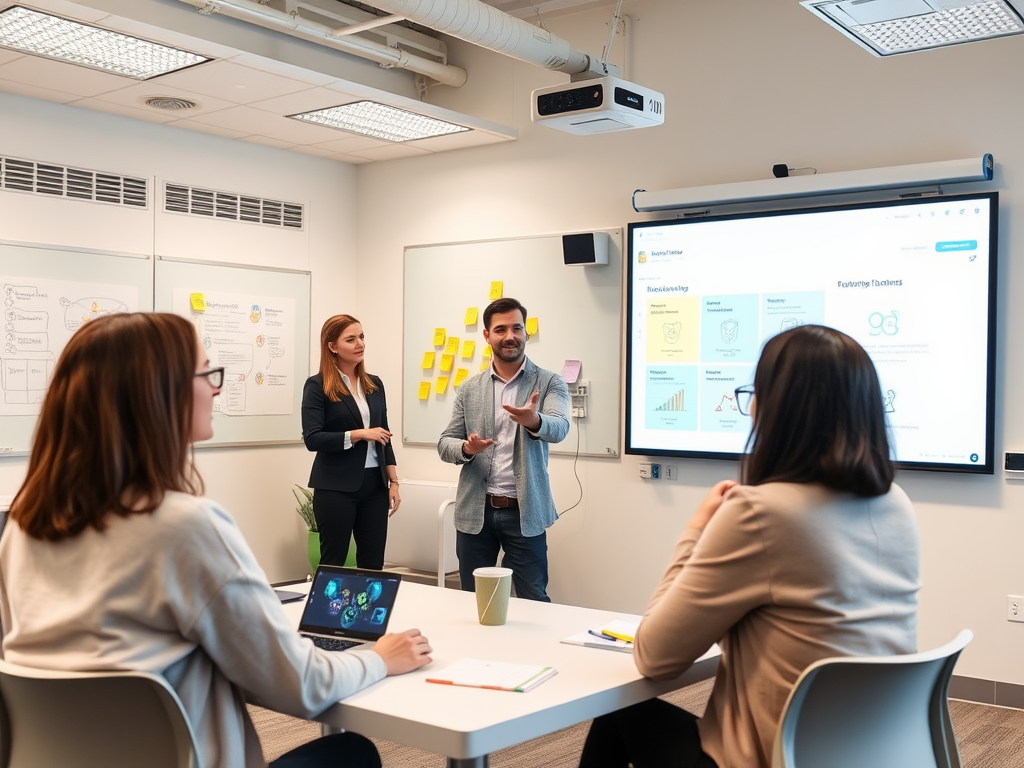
(274, 357)
(578, 312)
(48, 293)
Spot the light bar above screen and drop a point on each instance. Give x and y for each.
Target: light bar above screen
(913, 281)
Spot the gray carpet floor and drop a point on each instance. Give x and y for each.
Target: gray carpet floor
(989, 737)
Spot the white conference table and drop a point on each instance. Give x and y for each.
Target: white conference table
(467, 724)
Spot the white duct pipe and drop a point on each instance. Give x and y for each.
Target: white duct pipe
(486, 26)
(269, 18)
(380, 21)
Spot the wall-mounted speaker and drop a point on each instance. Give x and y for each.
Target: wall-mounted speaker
(585, 249)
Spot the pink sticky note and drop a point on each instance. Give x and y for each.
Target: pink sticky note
(571, 370)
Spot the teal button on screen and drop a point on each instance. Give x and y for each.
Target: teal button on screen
(956, 245)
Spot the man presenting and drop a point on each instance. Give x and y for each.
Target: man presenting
(502, 421)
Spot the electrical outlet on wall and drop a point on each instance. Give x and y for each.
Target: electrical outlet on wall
(1015, 608)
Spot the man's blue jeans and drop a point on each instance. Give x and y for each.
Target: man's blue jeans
(527, 556)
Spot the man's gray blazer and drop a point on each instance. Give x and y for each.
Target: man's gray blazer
(473, 411)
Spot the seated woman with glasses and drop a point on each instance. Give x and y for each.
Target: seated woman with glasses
(113, 560)
(816, 554)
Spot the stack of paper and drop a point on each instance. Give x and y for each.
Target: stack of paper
(498, 676)
(614, 635)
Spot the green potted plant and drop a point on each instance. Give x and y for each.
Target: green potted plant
(304, 497)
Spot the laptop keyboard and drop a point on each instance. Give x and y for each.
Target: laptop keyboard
(331, 643)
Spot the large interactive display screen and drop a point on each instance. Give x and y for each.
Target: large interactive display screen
(913, 281)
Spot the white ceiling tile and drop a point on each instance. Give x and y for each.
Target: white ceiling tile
(35, 92)
(303, 101)
(353, 160)
(215, 130)
(149, 115)
(395, 152)
(349, 92)
(315, 151)
(458, 141)
(174, 39)
(281, 68)
(135, 96)
(60, 76)
(350, 142)
(68, 10)
(267, 124)
(232, 82)
(6, 54)
(266, 141)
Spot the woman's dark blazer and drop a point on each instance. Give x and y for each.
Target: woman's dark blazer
(324, 424)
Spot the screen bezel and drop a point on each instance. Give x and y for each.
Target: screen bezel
(333, 570)
(986, 468)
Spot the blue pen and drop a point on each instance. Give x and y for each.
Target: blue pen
(602, 635)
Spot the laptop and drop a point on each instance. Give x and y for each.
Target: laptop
(348, 607)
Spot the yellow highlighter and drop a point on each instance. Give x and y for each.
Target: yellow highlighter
(620, 630)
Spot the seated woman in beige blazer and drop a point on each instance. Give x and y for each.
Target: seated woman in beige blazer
(816, 554)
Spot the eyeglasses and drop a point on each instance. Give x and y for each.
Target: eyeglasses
(743, 397)
(215, 376)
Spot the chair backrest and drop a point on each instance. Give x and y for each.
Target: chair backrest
(883, 712)
(91, 719)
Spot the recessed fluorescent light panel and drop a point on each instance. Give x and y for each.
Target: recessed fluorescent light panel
(889, 27)
(380, 121)
(40, 34)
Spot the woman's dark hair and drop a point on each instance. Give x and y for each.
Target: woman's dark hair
(818, 415)
(334, 385)
(115, 428)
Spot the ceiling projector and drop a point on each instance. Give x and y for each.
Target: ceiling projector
(600, 105)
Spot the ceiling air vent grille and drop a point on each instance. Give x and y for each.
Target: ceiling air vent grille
(194, 201)
(18, 175)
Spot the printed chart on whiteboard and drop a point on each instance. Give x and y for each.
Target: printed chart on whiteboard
(40, 315)
(254, 338)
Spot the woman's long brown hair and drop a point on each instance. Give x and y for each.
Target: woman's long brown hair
(334, 386)
(115, 428)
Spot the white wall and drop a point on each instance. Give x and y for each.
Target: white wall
(254, 483)
(748, 83)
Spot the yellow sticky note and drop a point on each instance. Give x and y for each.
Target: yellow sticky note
(531, 325)
(485, 364)
(451, 346)
(424, 390)
(439, 336)
(497, 290)
(460, 376)
(468, 348)
(428, 360)
(487, 353)
(198, 302)
(441, 385)
(446, 362)
(471, 316)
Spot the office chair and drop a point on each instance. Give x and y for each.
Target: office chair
(91, 720)
(883, 712)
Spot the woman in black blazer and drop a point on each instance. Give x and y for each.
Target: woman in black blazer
(345, 421)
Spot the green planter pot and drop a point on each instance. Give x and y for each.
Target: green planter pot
(313, 550)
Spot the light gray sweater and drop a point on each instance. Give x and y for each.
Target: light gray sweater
(176, 593)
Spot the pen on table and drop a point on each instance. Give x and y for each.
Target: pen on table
(602, 635)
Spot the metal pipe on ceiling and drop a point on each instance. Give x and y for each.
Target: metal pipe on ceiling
(270, 18)
(486, 26)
